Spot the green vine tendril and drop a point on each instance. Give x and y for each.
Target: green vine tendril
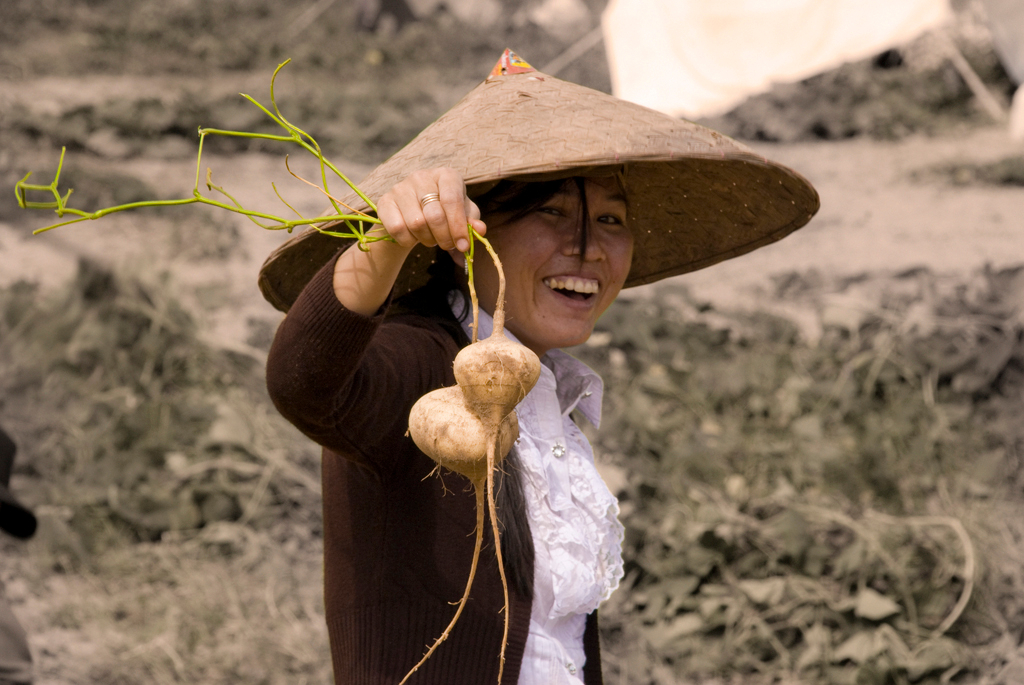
(355, 221)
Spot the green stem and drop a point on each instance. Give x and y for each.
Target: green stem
(60, 207)
(471, 282)
(352, 220)
(499, 305)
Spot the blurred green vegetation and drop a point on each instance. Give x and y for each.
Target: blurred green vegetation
(820, 504)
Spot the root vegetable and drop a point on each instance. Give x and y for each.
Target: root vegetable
(470, 427)
(445, 429)
(495, 375)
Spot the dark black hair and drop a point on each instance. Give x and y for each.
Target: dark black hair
(431, 299)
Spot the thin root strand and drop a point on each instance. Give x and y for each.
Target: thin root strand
(492, 505)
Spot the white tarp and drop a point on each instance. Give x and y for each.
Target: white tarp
(1006, 21)
(696, 58)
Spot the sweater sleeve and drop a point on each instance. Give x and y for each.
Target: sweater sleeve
(348, 381)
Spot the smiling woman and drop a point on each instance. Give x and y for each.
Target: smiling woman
(581, 195)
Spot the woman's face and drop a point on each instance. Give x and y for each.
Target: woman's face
(552, 297)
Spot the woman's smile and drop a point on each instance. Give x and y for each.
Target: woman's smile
(573, 287)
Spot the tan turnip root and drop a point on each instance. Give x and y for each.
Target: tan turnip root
(495, 375)
(470, 427)
(446, 430)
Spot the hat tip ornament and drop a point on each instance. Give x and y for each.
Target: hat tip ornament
(510, 63)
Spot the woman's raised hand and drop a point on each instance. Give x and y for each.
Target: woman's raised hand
(430, 207)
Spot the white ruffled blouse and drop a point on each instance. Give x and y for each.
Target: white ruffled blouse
(577, 536)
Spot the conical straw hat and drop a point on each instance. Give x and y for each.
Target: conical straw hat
(696, 197)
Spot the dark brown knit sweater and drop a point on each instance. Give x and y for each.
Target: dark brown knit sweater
(398, 540)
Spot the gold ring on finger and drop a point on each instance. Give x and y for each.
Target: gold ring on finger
(428, 198)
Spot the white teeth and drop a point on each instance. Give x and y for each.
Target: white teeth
(578, 285)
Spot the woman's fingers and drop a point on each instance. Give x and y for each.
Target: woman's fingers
(413, 201)
(451, 220)
(429, 207)
(473, 217)
(390, 215)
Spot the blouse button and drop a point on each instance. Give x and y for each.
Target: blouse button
(558, 450)
(571, 667)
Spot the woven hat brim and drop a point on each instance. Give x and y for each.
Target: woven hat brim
(696, 197)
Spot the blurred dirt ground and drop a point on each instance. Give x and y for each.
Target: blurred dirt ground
(179, 537)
